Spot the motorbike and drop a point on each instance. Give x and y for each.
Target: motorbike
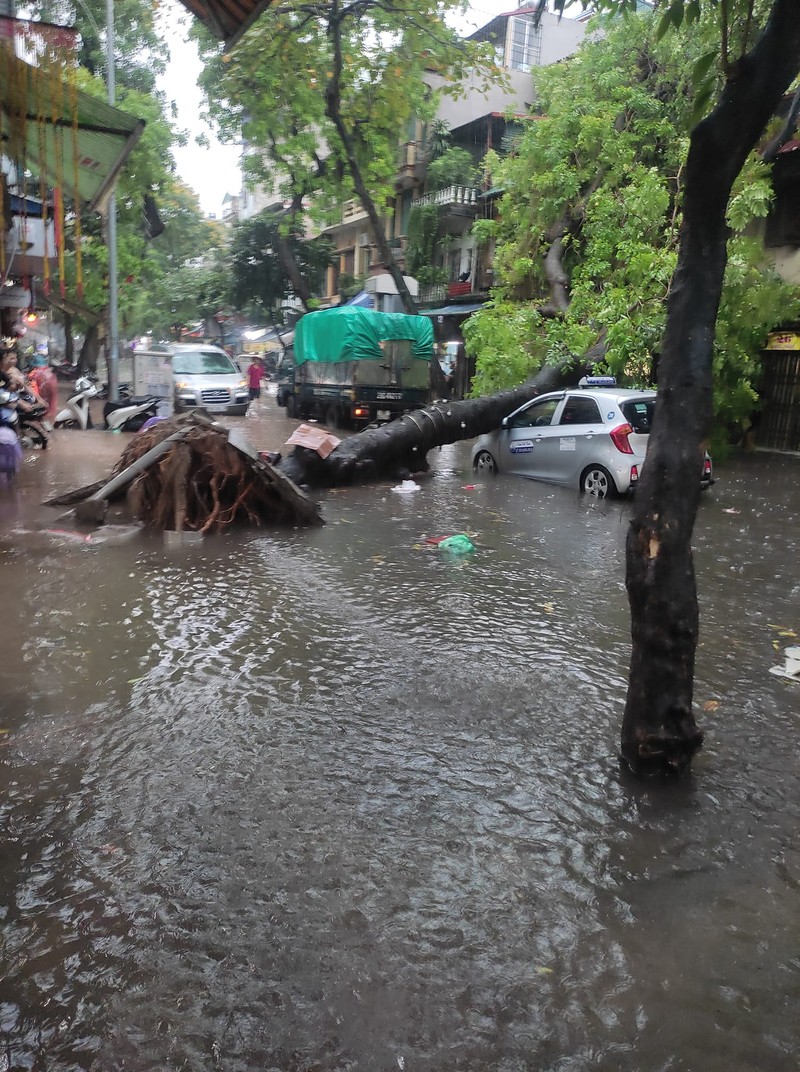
(123, 390)
(31, 423)
(10, 450)
(76, 412)
(129, 414)
(9, 418)
(66, 370)
(26, 424)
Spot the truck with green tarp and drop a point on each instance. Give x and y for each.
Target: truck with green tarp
(353, 366)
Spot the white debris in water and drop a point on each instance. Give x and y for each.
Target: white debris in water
(791, 671)
(406, 487)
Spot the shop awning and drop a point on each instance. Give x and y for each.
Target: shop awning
(453, 310)
(104, 135)
(362, 300)
(227, 19)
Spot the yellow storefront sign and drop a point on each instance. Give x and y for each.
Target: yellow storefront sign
(783, 340)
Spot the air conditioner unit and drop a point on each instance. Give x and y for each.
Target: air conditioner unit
(363, 239)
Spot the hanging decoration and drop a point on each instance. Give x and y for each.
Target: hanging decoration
(73, 103)
(40, 61)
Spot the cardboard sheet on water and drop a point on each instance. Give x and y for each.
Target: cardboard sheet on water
(314, 438)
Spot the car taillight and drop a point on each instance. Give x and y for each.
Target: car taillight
(707, 467)
(360, 411)
(619, 437)
(634, 475)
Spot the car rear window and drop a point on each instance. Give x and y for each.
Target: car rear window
(202, 363)
(638, 413)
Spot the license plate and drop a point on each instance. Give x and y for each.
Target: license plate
(216, 407)
(383, 414)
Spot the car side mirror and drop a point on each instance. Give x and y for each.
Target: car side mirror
(504, 422)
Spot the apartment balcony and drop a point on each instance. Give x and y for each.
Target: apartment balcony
(449, 197)
(411, 164)
(433, 292)
(352, 211)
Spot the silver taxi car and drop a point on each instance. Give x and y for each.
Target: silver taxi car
(592, 437)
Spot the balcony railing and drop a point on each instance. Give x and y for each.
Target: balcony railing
(352, 210)
(451, 195)
(433, 292)
(408, 155)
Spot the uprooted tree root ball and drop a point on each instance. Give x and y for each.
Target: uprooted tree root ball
(203, 483)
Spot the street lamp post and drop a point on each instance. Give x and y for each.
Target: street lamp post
(113, 311)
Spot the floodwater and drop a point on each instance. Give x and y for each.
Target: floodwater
(332, 800)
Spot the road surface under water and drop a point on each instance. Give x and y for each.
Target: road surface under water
(333, 800)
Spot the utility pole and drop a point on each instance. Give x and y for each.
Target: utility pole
(113, 312)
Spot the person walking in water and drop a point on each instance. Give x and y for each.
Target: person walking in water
(255, 374)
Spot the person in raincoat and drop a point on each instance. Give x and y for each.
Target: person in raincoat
(45, 383)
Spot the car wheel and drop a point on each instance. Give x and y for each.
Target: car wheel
(595, 480)
(485, 463)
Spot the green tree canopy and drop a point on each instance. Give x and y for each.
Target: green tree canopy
(587, 230)
(141, 52)
(322, 92)
(260, 282)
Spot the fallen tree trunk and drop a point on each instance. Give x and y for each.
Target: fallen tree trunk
(191, 473)
(397, 449)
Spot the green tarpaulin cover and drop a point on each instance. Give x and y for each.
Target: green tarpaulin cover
(353, 334)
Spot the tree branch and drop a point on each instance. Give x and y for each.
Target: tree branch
(787, 132)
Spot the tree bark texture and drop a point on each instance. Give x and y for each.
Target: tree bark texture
(659, 733)
(399, 448)
(334, 113)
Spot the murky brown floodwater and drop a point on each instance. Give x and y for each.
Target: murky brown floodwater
(331, 800)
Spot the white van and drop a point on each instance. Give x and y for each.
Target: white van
(206, 378)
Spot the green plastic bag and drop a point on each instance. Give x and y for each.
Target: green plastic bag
(457, 545)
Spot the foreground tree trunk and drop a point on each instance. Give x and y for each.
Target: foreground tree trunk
(659, 732)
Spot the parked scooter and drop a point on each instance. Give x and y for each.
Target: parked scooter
(129, 414)
(123, 390)
(76, 412)
(10, 450)
(9, 418)
(27, 424)
(32, 430)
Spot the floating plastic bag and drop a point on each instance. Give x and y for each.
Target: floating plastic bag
(406, 487)
(460, 544)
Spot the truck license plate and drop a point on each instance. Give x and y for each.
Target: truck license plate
(383, 414)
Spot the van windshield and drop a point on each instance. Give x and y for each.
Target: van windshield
(202, 363)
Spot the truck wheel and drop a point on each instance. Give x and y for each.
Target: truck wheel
(291, 408)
